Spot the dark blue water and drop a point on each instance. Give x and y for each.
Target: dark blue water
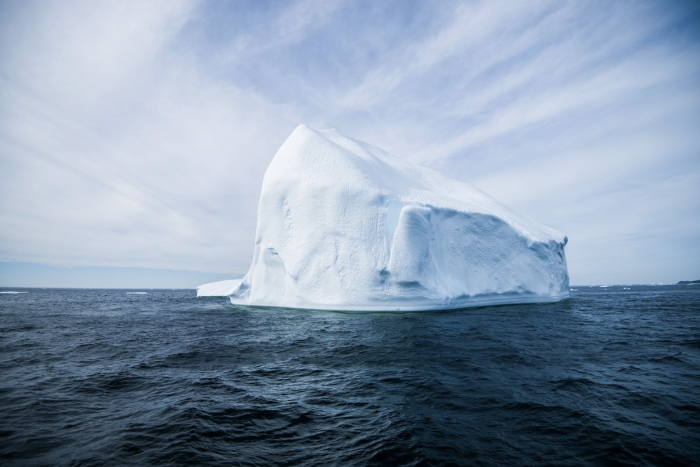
(101, 377)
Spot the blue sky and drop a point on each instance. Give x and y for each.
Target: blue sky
(136, 134)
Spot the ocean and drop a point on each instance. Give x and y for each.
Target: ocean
(610, 376)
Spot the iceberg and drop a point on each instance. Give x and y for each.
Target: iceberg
(343, 225)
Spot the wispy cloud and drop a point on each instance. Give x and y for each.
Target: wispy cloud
(137, 134)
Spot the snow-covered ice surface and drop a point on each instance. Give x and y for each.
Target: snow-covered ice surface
(343, 225)
(218, 289)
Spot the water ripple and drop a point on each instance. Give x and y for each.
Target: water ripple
(102, 377)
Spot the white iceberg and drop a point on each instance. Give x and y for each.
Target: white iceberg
(343, 225)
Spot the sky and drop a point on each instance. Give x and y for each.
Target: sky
(134, 136)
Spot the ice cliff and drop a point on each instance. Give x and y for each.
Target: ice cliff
(343, 225)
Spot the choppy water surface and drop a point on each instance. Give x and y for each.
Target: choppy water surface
(102, 377)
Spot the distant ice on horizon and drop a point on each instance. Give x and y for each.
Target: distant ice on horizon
(218, 289)
(343, 225)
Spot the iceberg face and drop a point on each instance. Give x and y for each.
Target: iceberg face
(343, 225)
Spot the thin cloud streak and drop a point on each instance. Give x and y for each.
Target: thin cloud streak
(137, 134)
